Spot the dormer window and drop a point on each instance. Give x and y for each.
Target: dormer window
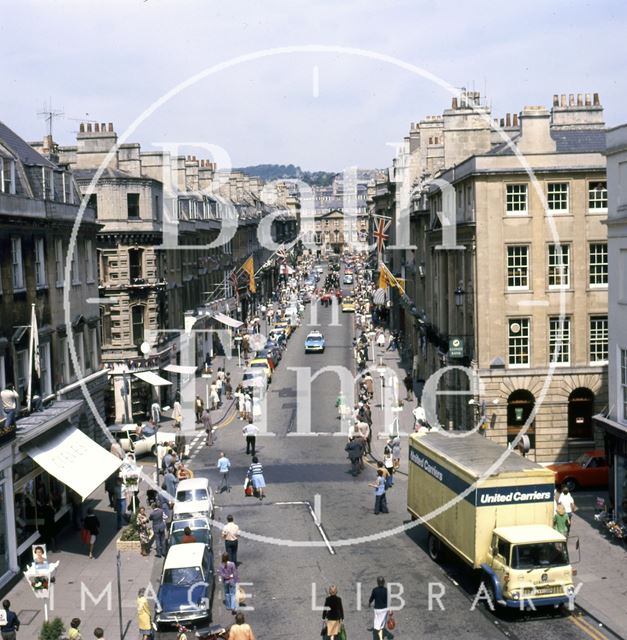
(7, 175)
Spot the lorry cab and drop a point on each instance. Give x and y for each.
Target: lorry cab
(528, 566)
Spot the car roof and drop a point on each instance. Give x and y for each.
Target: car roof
(185, 555)
(195, 522)
(314, 334)
(529, 533)
(114, 428)
(192, 483)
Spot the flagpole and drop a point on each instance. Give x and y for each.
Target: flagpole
(31, 343)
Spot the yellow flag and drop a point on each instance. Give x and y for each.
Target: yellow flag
(249, 268)
(384, 279)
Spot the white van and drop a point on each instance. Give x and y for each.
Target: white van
(193, 496)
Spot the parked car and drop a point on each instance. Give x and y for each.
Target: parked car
(140, 445)
(588, 470)
(187, 584)
(348, 304)
(314, 342)
(256, 380)
(270, 355)
(264, 365)
(200, 527)
(196, 496)
(279, 336)
(348, 279)
(275, 349)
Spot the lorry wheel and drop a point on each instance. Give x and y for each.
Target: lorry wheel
(434, 548)
(493, 608)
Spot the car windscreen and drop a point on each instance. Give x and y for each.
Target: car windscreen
(539, 555)
(196, 523)
(182, 575)
(583, 460)
(189, 495)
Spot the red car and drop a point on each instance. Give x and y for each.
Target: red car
(589, 470)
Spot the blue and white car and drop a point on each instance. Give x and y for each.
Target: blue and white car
(314, 342)
(187, 584)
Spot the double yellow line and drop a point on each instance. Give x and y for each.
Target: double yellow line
(585, 626)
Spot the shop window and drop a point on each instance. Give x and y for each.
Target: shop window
(519, 407)
(580, 408)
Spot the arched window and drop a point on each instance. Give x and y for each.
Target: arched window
(580, 407)
(137, 324)
(519, 407)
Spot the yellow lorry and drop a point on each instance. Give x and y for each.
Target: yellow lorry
(499, 524)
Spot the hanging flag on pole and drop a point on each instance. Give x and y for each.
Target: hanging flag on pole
(235, 283)
(387, 279)
(381, 226)
(249, 268)
(34, 359)
(281, 254)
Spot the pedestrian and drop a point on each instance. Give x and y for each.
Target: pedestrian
(230, 535)
(391, 342)
(250, 431)
(388, 465)
(183, 472)
(561, 521)
(199, 407)
(177, 410)
(365, 434)
(162, 449)
(241, 630)
(228, 387)
(369, 382)
(98, 633)
(379, 599)
(380, 501)
(224, 465)
(354, 449)
(395, 443)
(168, 460)
(77, 502)
(381, 340)
(340, 403)
(420, 417)
(239, 398)
(155, 412)
(255, 474)
(248, 407)
(214, 398)
(229, 577)
(567, 501)
(9, 398)
(120, 502)
(179, 442)
(169, 481)
(205, 418)
(143, 527)
(116, 450)
(144, 621)
(219, 387)
(408, 381)
(74, 633)
(157, 520)
(333, 613)
(92, 524)
(12, 626)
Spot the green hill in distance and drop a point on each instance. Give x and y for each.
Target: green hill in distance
(269, 172)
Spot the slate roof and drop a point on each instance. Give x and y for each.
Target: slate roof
(22, 149)
(567, 141)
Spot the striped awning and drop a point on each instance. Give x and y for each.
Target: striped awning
(380, 296)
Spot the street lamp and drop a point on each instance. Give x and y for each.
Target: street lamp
(459, 294)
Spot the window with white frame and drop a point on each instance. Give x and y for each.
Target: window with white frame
(89, 261)
(518, 342)
(597, 196)
(516, 199)
(58, 261)
(559, 340)
(623, 379)
(7, 176)
(45, 377)
(47, 182)
(65, 359)
(598, 339)
(21, 370)
(40, 263)
(597, 264)
(18, 265)
(557, 196)
(518, 267)
(76, 279)
(558, 266)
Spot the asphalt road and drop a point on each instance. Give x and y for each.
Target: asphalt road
(284, 556)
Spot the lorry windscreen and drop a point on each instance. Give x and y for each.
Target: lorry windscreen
(540, 555)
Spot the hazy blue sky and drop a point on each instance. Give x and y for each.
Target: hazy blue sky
(112, 59)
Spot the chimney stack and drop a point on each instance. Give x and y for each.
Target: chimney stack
(515, 120)
(556, 100)
(571, 100)
(508, 122)
(454, 103)
(111, 127)
(563, 100)
(96, 127)
(502, 123)
(595, 100)
(588, 101)
(81, 127)
(535, 133)
(579, 100)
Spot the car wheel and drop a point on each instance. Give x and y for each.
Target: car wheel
(571, 483)
(153, 450)
(434, 548)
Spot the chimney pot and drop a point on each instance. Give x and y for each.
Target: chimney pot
(82, 127)
(194, 158)
(595, 100)
(89, 127)
(502, 122)
(588, 101)
(454, 103)
(515, 120)
(111, 126)
(508, 122)
(571, 99)
(96, 127)
(556, 100)
(103, 127)
(579, 100)
(563, 100)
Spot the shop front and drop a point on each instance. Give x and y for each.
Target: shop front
(615, 436)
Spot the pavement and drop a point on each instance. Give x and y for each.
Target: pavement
(316, 528)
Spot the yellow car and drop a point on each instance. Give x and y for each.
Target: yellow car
(348, 304)
(286, 326)
(264, 365)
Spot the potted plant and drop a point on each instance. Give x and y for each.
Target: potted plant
(52, 630)
(129, 538)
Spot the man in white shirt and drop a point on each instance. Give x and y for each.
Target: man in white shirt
(9, 398)
(230, 535)
(250, 431)
(420, 417)
(567, 501)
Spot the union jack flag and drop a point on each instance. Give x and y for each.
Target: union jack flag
(381, 226)
(235, 283)
(281, 254)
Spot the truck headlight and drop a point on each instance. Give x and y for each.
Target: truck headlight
(570, 590)
(516, 595)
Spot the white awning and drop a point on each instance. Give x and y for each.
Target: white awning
(75, 460)
(179, 368)
(380, 296)
(152, 378)
(227, 320)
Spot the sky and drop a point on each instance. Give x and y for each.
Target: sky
(278, 97)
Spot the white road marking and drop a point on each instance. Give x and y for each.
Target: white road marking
(316, 522)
